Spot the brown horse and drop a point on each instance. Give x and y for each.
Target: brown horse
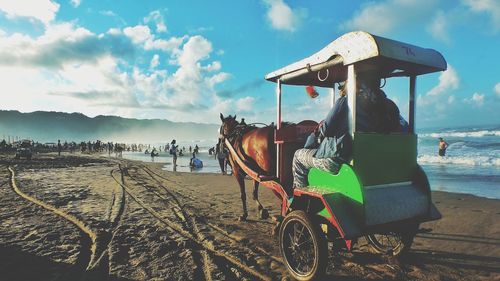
(255, 146)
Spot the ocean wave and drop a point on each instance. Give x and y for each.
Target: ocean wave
(460, 160)
(463, 134)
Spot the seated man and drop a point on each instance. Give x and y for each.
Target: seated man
(335, 147)
(374, 111)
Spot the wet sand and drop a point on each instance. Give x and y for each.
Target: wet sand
(80, 217)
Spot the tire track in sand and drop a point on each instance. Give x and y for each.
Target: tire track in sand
(88, 237)
(118, 209)
(256, 249)
(203, 256)
(205, 243)
(190, 224)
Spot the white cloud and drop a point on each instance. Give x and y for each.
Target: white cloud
(156, 18)
(114, 31)
(438, 101)
(187, 82)
(282, 17)
(162, 44)
(138, 34)
(491, 7)
(60, 44)
(217, 79)
(245, 104)
(439, 27)
(75, 3)
(497, 89)
(141, 34)
(95, 85)
(196, 48)
(68, 63)
(155, 61)
(381, 17)
(42, 10)
(448, 81)
(214, 66)
(476, 99)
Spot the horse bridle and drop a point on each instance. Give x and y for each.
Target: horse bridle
(237, 132)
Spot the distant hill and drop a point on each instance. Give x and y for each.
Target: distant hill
(50, 126)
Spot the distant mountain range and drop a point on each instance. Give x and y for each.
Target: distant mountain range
(45, 126)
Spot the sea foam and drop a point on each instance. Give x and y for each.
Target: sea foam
(463, 134)
(460, 160)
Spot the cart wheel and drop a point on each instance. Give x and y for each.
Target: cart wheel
(303, 247)
(392, 243)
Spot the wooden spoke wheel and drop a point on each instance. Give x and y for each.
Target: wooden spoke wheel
(303, 247)
(392, 243)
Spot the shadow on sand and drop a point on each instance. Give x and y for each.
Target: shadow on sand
(458, 260)
(417, 258)
(460, 238)
(15, 264)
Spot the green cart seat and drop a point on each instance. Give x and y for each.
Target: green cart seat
(379, 187)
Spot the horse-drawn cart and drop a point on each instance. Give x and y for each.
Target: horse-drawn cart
(382, 194)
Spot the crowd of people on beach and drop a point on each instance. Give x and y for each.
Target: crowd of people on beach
(86, 147)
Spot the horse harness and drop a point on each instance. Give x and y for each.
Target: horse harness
(235, 137)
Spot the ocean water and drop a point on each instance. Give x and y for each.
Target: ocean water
(210, 164)
(471, 164)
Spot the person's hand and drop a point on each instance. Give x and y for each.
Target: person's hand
(317, 129)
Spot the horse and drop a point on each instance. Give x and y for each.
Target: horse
(255, 146)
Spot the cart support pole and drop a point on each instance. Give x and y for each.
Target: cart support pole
(411, 110)
(332, 96)
(351, 98)
(278, 126)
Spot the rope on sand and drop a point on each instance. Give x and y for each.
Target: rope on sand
(59, 212)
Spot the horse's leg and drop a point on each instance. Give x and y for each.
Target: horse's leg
(264, 214)
(240, 178)
(241, 182)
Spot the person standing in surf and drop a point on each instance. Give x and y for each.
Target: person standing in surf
(442, 147)
(173, 152)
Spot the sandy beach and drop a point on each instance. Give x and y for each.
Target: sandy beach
(80, 217)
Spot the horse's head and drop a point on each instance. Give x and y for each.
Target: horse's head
(228, 125)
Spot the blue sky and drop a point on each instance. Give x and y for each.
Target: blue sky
(190, 60)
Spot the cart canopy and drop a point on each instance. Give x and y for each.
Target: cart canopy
(389, 57)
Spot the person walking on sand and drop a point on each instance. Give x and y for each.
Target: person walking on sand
(442, 147)
(221, 154)
(59, 147)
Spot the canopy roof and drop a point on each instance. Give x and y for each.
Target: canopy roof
(389, 57)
